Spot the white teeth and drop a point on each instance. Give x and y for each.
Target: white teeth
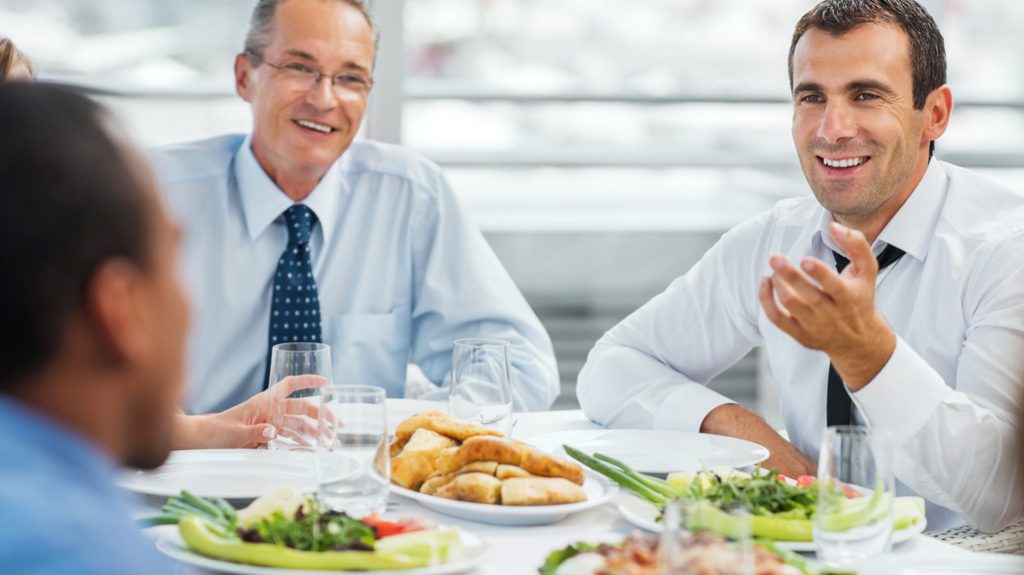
(315, 126)
(847, 163)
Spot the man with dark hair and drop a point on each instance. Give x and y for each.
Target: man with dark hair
(298, 232)
(92, 345)
(905, 311)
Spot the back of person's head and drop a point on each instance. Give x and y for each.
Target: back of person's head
(90, 303)
(13, 64)
(927, 47)
(70, 201)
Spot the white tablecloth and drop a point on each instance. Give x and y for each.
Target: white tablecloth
(520, 550)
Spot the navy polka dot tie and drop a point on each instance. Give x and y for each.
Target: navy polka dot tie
(295, 307)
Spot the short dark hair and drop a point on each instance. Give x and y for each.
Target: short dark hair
(71, 200)
(927, 48)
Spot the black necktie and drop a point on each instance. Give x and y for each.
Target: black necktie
(839, 409)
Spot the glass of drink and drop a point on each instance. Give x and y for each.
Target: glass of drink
(352, 458)
(298, 373)
(688, 525)
(853, 517)
(481, 390)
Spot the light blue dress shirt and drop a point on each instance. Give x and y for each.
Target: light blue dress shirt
(59, 509)
(401, 272)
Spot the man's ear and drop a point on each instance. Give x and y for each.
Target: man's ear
(937, 108)
(115, 306)
(243, 77)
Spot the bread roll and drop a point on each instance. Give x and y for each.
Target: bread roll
(540, 491)
(418, 459)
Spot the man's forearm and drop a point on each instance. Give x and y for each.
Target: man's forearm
(737, 421)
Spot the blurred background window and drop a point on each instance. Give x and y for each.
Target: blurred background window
(602, 145)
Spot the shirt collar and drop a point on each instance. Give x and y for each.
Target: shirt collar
(263, 202)
(913, 226)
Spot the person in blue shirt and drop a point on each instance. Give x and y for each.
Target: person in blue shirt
(93, 339)
(298, 232)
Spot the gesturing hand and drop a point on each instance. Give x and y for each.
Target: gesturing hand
(830, 312)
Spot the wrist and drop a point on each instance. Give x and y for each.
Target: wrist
(859, 364)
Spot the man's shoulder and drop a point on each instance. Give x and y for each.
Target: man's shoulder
(195, 160)
(369, 156)
(981, 209)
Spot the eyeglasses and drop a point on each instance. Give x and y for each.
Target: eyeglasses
(302, 77)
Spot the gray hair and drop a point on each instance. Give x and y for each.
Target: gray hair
(261, 24)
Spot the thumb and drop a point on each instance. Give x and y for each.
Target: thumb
(857, 248)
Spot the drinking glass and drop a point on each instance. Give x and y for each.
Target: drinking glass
(682, 523)
(853, 517)
(298, 373)
(353, 462)
(481, 390)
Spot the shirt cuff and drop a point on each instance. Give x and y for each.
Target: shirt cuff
(685, 408)
(882, 401)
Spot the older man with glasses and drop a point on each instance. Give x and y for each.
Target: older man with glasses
(297, 232)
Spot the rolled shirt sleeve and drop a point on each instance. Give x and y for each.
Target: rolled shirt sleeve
(650, 370)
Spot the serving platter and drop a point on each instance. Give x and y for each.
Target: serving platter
(599, 490)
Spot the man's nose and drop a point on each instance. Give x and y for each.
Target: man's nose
(838, 123)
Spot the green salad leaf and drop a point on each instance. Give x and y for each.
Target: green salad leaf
(556, 558)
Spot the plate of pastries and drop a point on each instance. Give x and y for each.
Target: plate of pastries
(473, 472)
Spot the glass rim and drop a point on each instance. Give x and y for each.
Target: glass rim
(300, 346)
(482, 342)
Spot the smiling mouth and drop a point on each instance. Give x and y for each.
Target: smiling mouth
(845, 163)
(315, 126)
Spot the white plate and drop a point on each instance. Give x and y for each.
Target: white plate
(944, 563)
(643, 515)
(174, 547)
(598, 490)
(656, 451)
(229, 473)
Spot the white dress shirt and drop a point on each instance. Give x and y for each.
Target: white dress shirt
(401, 272)
(949, 396)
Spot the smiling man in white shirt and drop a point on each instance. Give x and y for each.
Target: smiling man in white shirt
(296, 232)
(925, 343)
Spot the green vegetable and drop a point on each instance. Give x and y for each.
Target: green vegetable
(313, 531)
(199, 536)
(213, 509)
(654, 484)
(617, 475)
(555, 559)
(778, 510)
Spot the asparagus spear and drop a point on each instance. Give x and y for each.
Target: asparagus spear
(617, 475)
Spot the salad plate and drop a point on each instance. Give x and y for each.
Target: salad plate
(642, 514)
(172, 545)
(236, 474)
(598, 489)
(657, 451)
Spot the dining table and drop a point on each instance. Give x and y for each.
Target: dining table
(521, 550)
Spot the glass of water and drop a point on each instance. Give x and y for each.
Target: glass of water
(853, 517)
(298, 374)
(352, 456)
(481, 390)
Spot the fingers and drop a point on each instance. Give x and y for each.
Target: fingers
(293, 383)
(778, 316)
(831, 284)
(297, 424)
(793, 287)
(857, 248)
